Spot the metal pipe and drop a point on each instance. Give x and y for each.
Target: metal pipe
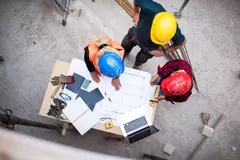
(174, 56)
(183, 54)
(65, 15)
(177, 54)
(188, 59)
(179, 12)
(12, 120)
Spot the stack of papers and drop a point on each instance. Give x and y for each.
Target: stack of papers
(134, 93)
(79, 114)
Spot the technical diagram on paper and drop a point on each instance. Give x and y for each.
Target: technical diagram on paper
(134, 93)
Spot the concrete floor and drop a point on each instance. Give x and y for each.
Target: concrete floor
(212, 30)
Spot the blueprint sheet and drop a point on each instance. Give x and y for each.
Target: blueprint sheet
(134, 93)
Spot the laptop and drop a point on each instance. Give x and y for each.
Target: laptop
(136, 125)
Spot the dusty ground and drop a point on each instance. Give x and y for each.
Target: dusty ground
(32, 38)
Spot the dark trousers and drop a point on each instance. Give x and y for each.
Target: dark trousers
(142, 55)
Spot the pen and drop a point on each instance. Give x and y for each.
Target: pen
(108, 97)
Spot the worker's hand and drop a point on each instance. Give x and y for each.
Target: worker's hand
(157, 53)
(135, 18)
(159, 98)
(116, 83)
(95, 76)
(153, 79)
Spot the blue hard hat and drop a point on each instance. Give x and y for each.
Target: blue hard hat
(111, 64)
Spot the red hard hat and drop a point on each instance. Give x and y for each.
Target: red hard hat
(177, 84)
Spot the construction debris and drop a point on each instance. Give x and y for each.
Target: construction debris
(169, 149)
(220, 119)
(205, 118)
(233, 148)
(207, 131)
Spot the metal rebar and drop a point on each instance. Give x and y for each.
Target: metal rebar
(188, 59)
(178, 14)
(171, 56)
(166, 55)
(13, 120)
(174, 56)
(183, 54)
(177, 54)
(65, 15)
(186, 53)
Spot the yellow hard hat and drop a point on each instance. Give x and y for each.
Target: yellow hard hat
(163, 28)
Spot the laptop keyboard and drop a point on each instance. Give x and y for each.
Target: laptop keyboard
(135, 124)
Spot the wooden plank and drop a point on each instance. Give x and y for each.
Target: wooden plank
(126, 6)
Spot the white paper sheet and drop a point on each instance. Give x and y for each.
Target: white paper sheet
(86, 121)
(75, 109)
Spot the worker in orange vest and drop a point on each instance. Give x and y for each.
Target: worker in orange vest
(105, 56)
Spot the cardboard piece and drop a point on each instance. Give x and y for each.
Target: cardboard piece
(90, 98)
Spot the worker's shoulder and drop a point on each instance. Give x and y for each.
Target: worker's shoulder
(178, 38)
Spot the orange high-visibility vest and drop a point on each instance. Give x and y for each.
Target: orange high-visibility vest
(93, 51)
